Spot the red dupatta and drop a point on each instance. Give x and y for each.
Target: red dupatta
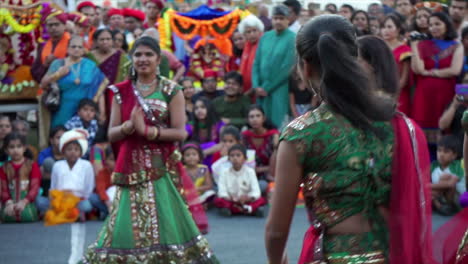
(447, 240)
(410, 222)
(247, 61)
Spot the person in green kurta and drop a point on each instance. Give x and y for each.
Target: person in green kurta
(272, 66)
(233, 107)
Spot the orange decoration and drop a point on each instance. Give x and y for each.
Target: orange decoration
(204, 28)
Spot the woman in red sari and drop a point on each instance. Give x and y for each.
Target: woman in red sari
(436, 63)
(252, 28)
(393, 34)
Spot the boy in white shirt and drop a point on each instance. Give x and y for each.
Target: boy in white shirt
(73, 173)
(238, 189)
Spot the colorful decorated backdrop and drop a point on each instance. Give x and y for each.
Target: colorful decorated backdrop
(20, 30)
(207, 23)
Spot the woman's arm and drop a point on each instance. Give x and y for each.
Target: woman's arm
(102, 109)
(454, 69)
(208, 185)
(53, 77)
(288, 179)
(417, 64)
(213, 149)
(404, 74)
(447, 117)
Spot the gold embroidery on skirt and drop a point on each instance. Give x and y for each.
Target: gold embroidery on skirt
(112, 216)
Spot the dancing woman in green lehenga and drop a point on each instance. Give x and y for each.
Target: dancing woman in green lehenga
(149, 221)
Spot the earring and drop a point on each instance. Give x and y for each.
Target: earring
(133, 73)
(311, 88)
(315, 93)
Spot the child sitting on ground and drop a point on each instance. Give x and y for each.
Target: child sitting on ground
(73, 173)
(104, 195)
(192, 157)
(230, 136)
(85, 119)
(238, 189)
(21, 175)
(23, 128)
(447, 176)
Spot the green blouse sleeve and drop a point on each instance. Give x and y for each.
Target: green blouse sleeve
(169, 88)
(306, 135)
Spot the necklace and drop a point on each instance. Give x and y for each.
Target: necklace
(146, 86)
(76, 72)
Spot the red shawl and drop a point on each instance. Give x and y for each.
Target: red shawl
(247, 61)
(410, 221)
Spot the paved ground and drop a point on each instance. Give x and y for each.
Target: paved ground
(236, 240)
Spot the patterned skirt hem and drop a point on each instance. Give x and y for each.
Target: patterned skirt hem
(195, 251)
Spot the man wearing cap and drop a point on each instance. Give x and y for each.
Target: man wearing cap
(116, 19)
(209, 86)
(55, 47)
(274, 60)
(133, 20)
(88, 9)
(153, 10)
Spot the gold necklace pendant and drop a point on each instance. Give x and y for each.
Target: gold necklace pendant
(77, 81)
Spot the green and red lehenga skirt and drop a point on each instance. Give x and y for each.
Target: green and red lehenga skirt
(149, 223)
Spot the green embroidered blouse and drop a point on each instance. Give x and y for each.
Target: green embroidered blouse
(347, 171)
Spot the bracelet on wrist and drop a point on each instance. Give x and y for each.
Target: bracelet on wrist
(154, 134)
(158, 133)
(124, 129)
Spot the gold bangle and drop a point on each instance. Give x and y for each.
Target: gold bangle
(124, 127)
(154, 135)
